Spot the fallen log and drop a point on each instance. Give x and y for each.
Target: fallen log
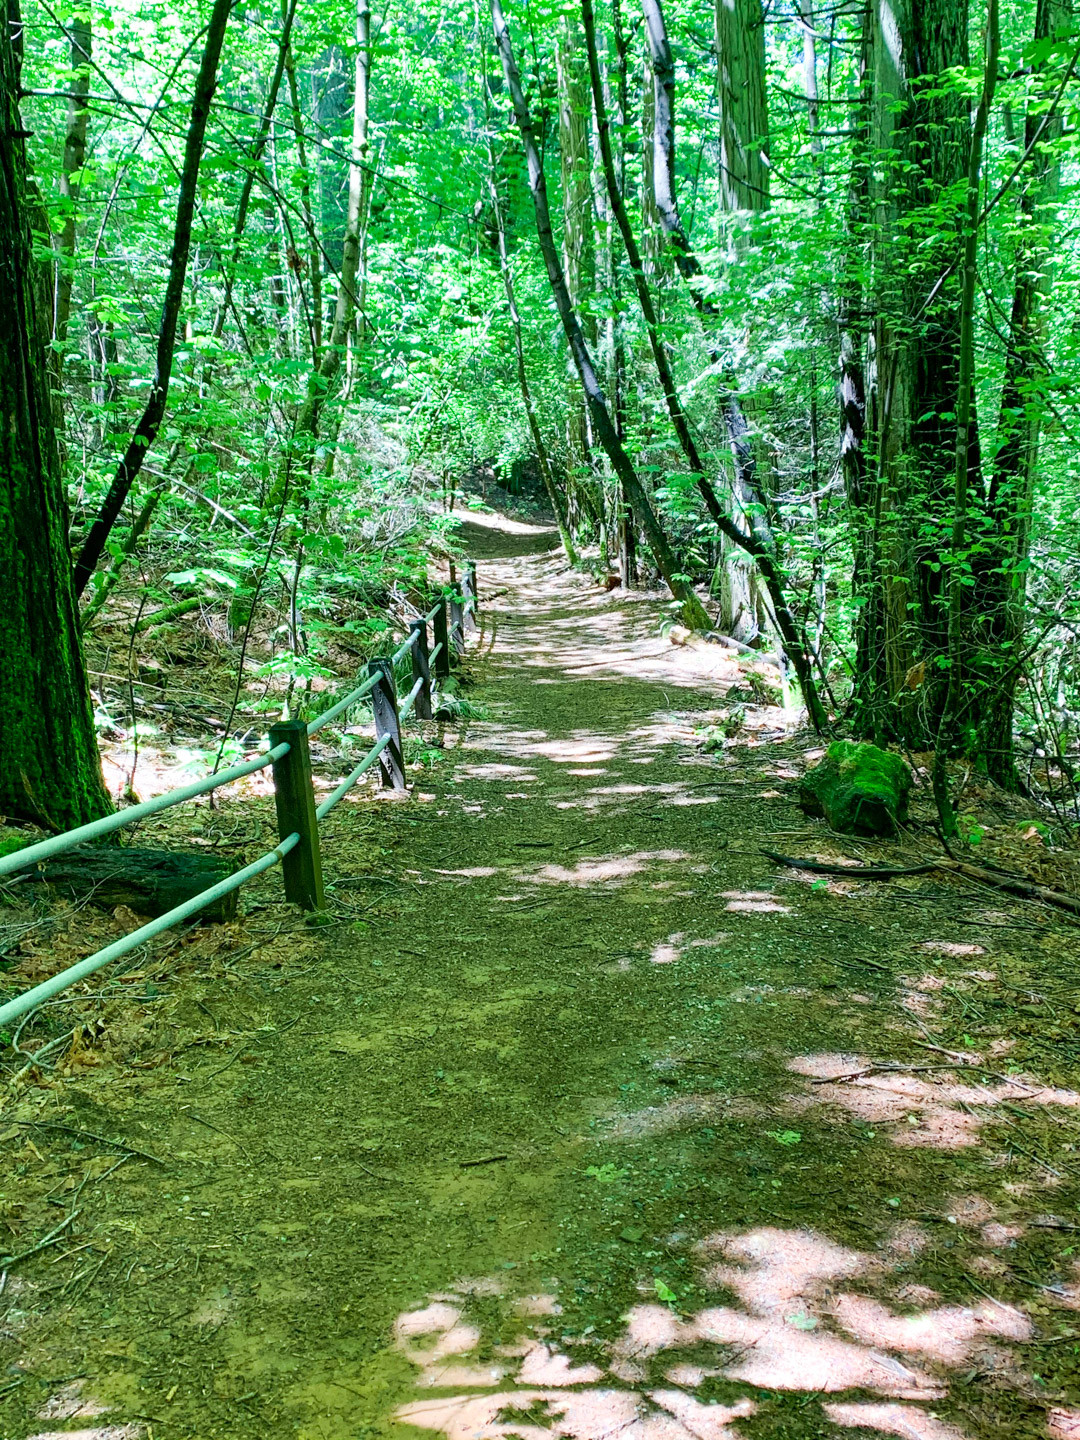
(150, 882)
(996, 879)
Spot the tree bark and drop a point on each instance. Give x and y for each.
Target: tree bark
(152, 416)
(50, 771)
(959, 563)
(744, 115)
(1011, 495)
(605, 430)
(920, 141)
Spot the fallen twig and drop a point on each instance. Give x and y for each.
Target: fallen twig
(89, 1135)
(9, 1260)
(995, 879)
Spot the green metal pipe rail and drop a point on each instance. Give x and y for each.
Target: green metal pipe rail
(298, 816)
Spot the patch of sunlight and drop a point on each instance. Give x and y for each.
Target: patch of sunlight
(666, 952)
(133, 1431)
(802, 1321)
(611, 871)
(907, 1421)
(473, 872)
(682, 1112)
(936, 1111)
(494, 770)
(71, 1403)
(754, 902)
(950, 947)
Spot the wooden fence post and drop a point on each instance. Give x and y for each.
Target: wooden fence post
(295, 801)
(384, 707)
(442, 637)
(457, 627)
(468, 590)
(421, 669)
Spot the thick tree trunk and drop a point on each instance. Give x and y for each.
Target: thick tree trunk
(154, 412)
(50, 771)
(680, 588)
(744, 194)
(920, 138)
(855, 468)
(744, 114)
(953, 719)
(1020, 421)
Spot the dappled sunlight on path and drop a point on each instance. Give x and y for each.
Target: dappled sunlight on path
(797, 1326)
(583, 1122)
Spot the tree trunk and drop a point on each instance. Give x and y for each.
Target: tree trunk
(744, 115)
(680, 588)
(920, 136)
(152, 416)
(868, 681)
(50, 771)
(1019, 423)
(959, 564)
(744, 194)
(578, 247)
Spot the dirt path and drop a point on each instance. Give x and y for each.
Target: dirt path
(571, 1131)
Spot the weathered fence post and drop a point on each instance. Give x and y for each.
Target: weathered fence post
(295, 801)
(421, 669)
(442, 637)
(468, 590)
(457, 627)
(387, 722)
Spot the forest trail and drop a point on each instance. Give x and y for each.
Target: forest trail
(573, 1131)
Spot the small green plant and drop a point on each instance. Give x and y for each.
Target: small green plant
(606, 1174)
(784, 1137)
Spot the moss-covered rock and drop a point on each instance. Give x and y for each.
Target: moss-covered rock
(859, 789)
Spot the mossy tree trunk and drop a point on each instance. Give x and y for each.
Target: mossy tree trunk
(50, 771)
(920, 132)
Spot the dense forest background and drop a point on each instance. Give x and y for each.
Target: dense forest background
(776, 306)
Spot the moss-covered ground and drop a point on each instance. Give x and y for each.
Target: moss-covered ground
(581, 1119)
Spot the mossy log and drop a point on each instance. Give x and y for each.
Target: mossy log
(150, 882)
(858, 789)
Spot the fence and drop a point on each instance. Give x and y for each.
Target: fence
(298, 815)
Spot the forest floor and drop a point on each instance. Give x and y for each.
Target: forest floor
(581, 1119)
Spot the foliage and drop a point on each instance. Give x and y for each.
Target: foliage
(312, 542)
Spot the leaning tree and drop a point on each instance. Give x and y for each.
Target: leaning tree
(50, 770)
